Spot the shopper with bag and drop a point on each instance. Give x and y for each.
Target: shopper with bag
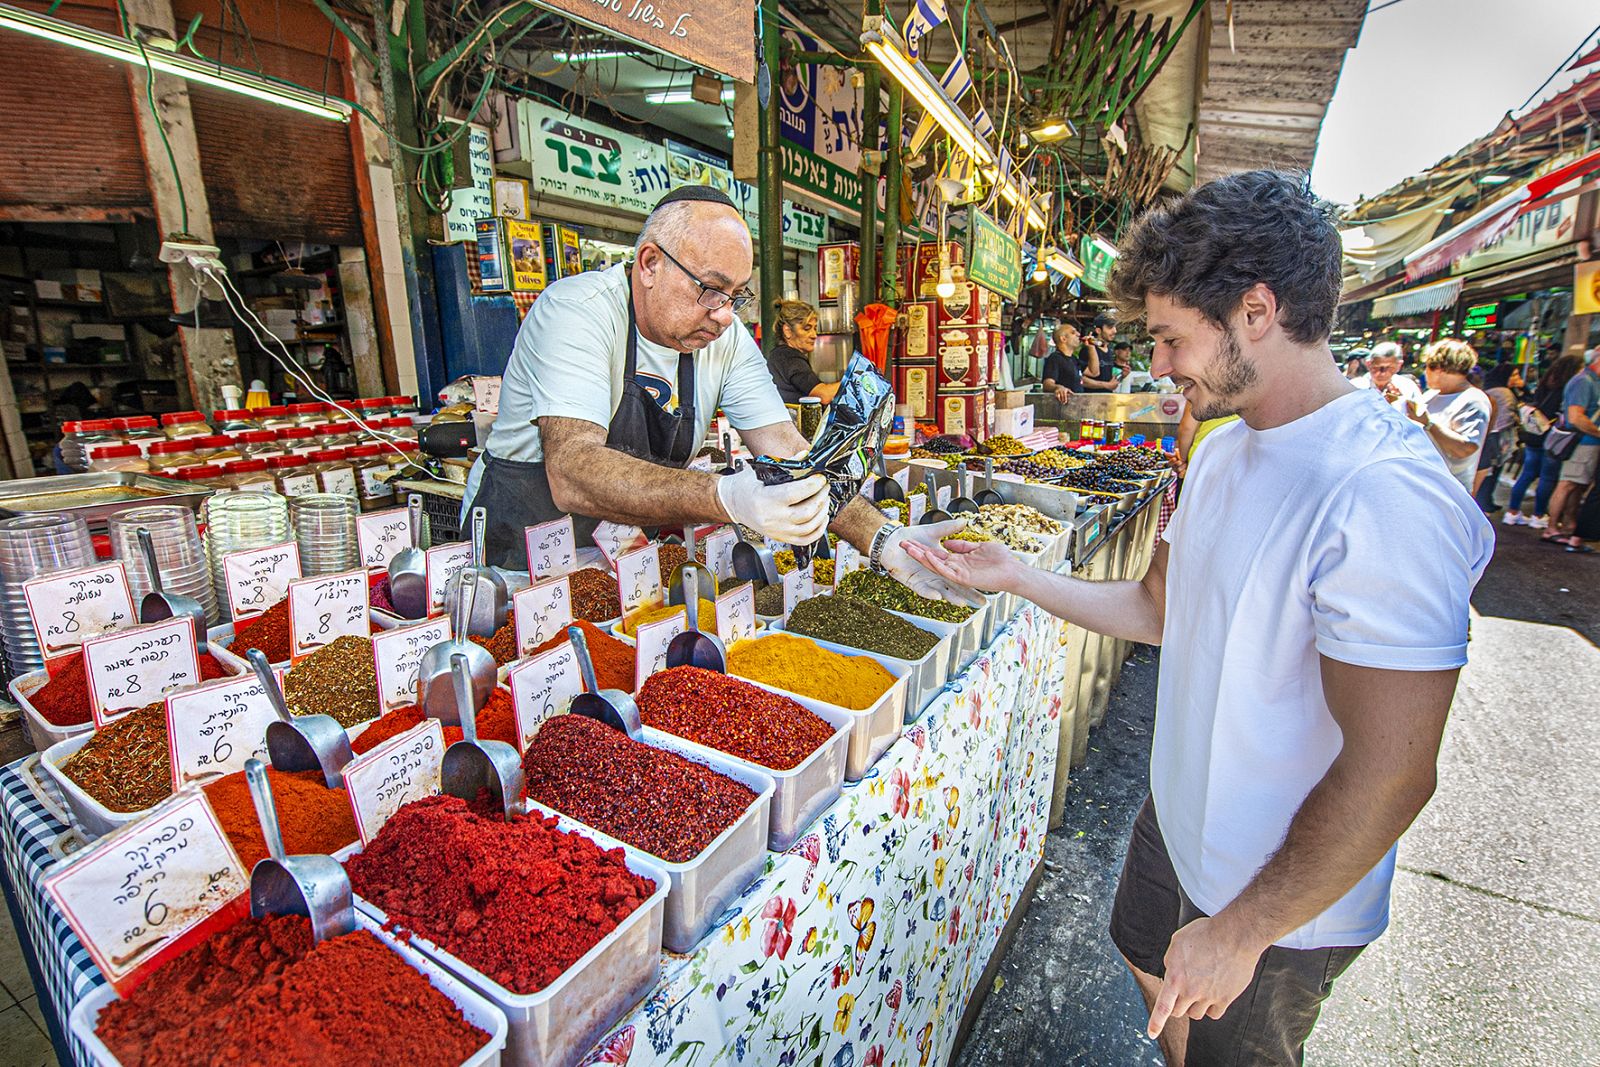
(1534, 421)
(1576, 442)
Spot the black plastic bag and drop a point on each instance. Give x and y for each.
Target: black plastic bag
(847, 446)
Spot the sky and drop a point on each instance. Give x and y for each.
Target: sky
(1428, 76)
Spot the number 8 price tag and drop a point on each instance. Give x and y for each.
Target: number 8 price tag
(325, 608)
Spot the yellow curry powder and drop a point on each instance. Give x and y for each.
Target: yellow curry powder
(795, 664)
(707, 620)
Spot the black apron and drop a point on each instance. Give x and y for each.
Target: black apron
(516, 495)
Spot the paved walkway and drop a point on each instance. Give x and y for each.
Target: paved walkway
(1493, 955)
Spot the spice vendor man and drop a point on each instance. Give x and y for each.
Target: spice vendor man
(613, 381)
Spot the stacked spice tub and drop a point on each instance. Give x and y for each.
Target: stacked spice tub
(915, 649)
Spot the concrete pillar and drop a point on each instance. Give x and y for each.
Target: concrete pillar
(209, 354)
(361, 322)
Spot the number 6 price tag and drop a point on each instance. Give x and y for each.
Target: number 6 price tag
(397, 655)
(324, 608)
(213, 730)
(639, 579)
(540, 612)
(69, 608)
(542, 688)
(149, 883)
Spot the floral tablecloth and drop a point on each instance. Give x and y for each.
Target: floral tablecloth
(862, 944)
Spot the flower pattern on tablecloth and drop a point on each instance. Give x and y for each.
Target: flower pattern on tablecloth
(862, 944)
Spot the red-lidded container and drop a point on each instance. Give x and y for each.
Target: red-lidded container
(307, 414)
(185, 424)
(293, 475)
(298, 440)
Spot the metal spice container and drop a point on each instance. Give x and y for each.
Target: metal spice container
(338, 679)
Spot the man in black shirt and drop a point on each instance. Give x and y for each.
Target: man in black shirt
(1062, 372)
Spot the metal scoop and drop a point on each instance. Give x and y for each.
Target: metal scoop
(493, 599)
(611, 706)
(301, 742)
(731, 465)
(934, 513)
(987, 495)
(692, 648)
(885, 487)
(470, 766)
(435, 690)
(690, 564)
(963, 503)
(408, 570)
(314, 886)
(753, 563)
(158, 606)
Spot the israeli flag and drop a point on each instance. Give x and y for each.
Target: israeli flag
(955, 81)
(925, 15)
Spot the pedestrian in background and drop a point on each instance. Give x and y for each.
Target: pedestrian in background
(1454, 413)
(1580, 406)
(1503, 385)
(1534, 421)
(1383, 374)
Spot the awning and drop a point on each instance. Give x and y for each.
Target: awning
(1370, 248)
(1494, 220)
(1434, 297)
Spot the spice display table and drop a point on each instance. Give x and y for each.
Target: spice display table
(862, 944)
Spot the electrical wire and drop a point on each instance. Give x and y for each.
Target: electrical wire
(1560, 67)
(155, 114)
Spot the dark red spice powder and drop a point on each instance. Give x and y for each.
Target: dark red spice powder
(731, 716)
(262, 992)
(521, 901)
(64, 699)
(497, 721)
(315, 820)
(268, 631)
(594, 595)
(378, 594)
(655, 800)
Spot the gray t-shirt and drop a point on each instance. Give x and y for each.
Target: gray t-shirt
(569, 356)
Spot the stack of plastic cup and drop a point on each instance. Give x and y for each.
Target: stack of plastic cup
(180, 557)
(239, 520)
(32, 545)
(325, 528)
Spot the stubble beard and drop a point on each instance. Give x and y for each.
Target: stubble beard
(1232, 375)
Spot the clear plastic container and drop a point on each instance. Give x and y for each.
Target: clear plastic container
(307, 414)
(167, 456)
(80, 435)
(235, 420)
(249, 474)
(325, 529)
(369, 408)
(237, 521)
(273, 418)
(293, 475)
(335, 473)
(338, 434)
(141, 430)
(30, 545)
(185, 424)
(400, 428)
(402, 405)
(201, 473)
(180, 556)
(258, 444)
(298, 440)
(372, 477)
(118, 458)
(218, 448)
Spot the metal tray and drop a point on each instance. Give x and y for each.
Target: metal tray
(96, 495)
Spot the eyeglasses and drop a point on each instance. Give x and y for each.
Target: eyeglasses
(711, 297)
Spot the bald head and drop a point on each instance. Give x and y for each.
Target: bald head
(686, 250)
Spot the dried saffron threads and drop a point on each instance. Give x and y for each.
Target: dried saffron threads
(520, 901)
(497, 721)
(594, 595)
(64, 699)
(315, 820)
(613, 659)
(338, 679)
(126, 765)
(731, 716)
(262, 992)
(268, 631)
(787, 662)
(653, 799)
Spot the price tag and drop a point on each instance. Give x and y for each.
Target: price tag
(402, 769)
(381, 535)
(917, 506)
(719, 552)
(639, 579)
(797, 586)
(340, 480)
(540, 612)
(324, 608)
(653, 639)
(615, 541)
(903, 476)
(69, 608)
(552, 548)
(131, 668)
(149, 883)
(213, 730)
(443, 564)
(293, 485)
(398, 653)
(736, 613)
(542, 688)
(942, 495)
(846, 558)
(258, 578)
(486, 395)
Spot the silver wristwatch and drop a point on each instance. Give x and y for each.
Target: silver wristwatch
(879, 539)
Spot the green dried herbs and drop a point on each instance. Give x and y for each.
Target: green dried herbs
(886, 592)
(858, 624)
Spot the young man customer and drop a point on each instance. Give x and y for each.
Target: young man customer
(1303, 692)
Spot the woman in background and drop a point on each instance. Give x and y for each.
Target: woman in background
(1503, 383)
(789, 360)
(1535, 420)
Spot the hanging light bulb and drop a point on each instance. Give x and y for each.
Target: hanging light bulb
(947, 286)
(1040, 274)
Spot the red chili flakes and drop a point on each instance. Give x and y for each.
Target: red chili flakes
(732, 716)
(653, 799)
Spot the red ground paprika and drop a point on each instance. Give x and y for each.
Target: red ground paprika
(731, 716)
(520, 901)
(496, 722)
(653, 799)
(613, 659)
(314, 818)
(262, 992)
(268, 631)
(64, 699)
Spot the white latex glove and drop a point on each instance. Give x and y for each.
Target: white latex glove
(918, 578)
(795, 513)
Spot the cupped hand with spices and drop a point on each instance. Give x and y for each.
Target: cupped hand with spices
(978, 565)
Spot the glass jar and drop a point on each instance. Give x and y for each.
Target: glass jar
(372, 477)
(402, 405)
(118, 458)
(80, 435)
(237, 521)
(369, 408)
(294, 475)
(249, 474)
(203, 473)
(235, 420)
(273, 418)
(168, 456)
(335, 473)
(185, 424)
(338, 434)
(141, 430)
(258, 444)
(306, 414)
(298, 440)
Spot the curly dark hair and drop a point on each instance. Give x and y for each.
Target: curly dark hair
(1209, 247)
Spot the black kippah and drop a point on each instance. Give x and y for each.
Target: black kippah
(705, 193)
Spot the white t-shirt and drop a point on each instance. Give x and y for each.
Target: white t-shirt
(1282, 552)
(1404, 384)
(569, 357)
(1467, 413)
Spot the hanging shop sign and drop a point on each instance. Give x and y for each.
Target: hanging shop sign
(1481, 317)
(476, 202)
(1542, 228)
(1586, 288)
(705, 32)
(688, 165)
(575, 159)
(1098, 259)
(994, 258)
(819, 110)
